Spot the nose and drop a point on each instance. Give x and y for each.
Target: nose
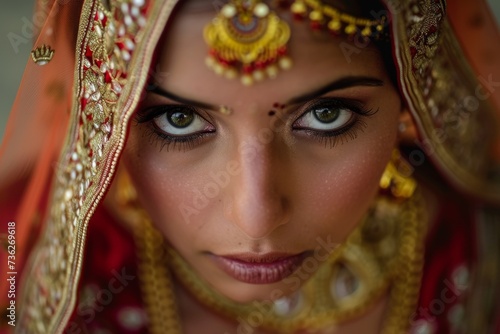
(259, 203)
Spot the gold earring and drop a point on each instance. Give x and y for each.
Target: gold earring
(397, 177)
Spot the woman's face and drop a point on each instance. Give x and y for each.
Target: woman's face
(245, 197)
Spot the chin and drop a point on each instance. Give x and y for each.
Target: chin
(248, 293)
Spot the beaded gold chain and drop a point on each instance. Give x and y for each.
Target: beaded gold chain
(401, 277)
(384, 254)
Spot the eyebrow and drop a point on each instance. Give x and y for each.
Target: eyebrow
(342, 83)
(345, 82)
(160, 91)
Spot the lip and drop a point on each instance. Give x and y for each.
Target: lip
(259, 268)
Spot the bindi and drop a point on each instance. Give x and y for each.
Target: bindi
(276, 108)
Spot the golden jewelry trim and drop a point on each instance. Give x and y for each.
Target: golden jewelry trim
(379, 266)
(247, 38)
(42, 55)
(385, 253)
(337, 21)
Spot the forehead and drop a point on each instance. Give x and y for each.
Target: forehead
(318, 58)
(199, 6)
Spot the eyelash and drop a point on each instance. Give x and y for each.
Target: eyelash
(328, 138)
(157, 137)
(349, 132)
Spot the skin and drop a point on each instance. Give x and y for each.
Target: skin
(288, 189)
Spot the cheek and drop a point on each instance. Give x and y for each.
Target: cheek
(163, 190)
(339, 189)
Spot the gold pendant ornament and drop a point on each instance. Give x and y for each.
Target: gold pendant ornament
(247, 39)
(42, 55)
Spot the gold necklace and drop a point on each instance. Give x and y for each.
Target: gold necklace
(385, 249)
(384, 253)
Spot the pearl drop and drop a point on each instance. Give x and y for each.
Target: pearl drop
(219, 69)
(261, 10)
(228, 11)
(231, 73)
(272, 71)
(258, 75)
(285, 63)
(210, 62)
(247, 80)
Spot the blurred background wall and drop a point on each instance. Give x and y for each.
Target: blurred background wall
(14, 16)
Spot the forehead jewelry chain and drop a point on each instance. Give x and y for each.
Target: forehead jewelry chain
(247, 39)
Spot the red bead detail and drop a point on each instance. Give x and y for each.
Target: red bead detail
(282, 51)
(247, 69)
(260, 65)
(90, 117)
(224, 62)
(316, 25)
(284, 4)
(335, 33)
(91, 153)
(88, 53)
(84, 103)
(298, 17)
(413, 52)
(107, 77)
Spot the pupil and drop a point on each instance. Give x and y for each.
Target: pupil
(326, 115)
(181, 119)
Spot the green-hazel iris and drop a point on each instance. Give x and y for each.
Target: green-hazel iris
(326, 115)
(180, 119)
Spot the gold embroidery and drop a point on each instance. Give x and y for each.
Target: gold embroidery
(107, 40)
(456, 124)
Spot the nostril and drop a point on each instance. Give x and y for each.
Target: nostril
(260, 217)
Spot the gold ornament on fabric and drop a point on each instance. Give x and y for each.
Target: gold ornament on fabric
(247, 39)
(397, 177)
(42, 55)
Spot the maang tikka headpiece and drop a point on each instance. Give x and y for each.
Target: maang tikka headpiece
(247, 39)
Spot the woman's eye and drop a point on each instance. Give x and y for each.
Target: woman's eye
(325, 118)
(181, 121)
